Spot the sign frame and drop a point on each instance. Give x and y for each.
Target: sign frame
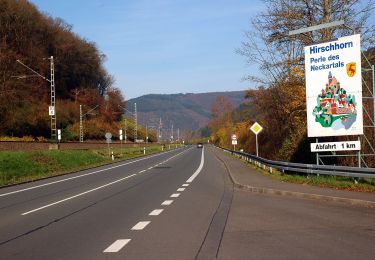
(334, 88)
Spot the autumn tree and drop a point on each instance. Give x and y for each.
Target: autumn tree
(280, 96)
(80, 77)
(221, 120)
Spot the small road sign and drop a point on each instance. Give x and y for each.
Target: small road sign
(108, 135)
(120, 135)
(51, 110)
(233, 137)
(256, 128)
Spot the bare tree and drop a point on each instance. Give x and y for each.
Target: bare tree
(279, 100)
(269, 46)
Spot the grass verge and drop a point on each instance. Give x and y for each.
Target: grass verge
(18, 167)
(327, 181)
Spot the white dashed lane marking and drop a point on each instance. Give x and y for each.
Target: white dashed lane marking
(116, 246)
(156, 212)
(167, 202)
(141, 225)
(119, 244)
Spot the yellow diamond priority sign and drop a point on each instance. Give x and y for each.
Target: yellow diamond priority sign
(256, 128)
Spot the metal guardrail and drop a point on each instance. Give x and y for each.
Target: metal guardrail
(354, 172)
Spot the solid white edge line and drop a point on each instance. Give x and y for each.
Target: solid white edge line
(156, 212)
(175, 195)
(167, 202)
(117, 246)
(142, 171)
(86, 174)
(195, 174)
(180, 189)
(141, 225)
(77, 195)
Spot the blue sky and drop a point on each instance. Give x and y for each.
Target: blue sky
(164, 46)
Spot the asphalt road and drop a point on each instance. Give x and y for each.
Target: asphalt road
(175, 205)
(262, 226)
(159, 207)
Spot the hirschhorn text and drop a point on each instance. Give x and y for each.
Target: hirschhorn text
(330, 47)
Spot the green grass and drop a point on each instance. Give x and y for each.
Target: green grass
(335, 182)
(18, 167)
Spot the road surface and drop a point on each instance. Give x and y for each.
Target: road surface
(158, 207)
(176, 205)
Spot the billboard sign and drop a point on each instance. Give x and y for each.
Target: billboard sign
(334, 88)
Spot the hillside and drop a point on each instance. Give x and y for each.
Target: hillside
(188, 112)
(29, 38)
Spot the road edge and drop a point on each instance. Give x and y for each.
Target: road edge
(302, 195)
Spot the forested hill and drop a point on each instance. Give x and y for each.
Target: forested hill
(185, 111)
(32, 37)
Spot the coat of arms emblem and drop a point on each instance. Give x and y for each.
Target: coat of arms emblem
(351, 69)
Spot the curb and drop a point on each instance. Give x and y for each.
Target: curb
(261, 190)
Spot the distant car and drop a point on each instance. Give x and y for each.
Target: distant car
(199, 145)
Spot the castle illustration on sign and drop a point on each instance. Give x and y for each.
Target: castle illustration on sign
(335, 107)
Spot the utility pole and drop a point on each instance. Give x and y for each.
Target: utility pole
(178, 134)
(172, 134)
(53, 101)
(80, 124)
(146, 134)
(52, 107)
(159, 132)
(136, 123)
(81, 115)
(126, 127)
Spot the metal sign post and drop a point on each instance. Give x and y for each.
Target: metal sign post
(120, 137)
(256, 129)
(234, 141)
(108, 137)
